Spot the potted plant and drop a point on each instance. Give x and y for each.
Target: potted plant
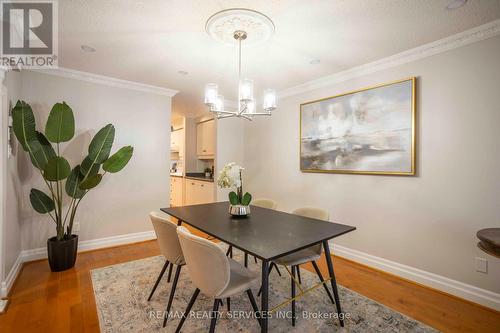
(231, 177)
(208, 172)
(59, 177)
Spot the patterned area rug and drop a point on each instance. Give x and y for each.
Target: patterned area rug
(121, 293)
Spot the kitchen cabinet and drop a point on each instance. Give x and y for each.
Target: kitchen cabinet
(205, 139)
(177, 141)
(176, 191)
(199, 192)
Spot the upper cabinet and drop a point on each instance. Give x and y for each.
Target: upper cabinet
(205, 139)
(177, 141)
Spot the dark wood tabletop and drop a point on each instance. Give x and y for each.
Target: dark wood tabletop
(267, 234)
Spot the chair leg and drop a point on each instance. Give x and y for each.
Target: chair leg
(172, 292)
(170, 273)
(260, 290)
(188, 309)
(298, 273)
(230, 252)
(158, 279)
(228, 304)
(215, 314)
(273, 265)
(292, 279)
(255, 259)
(246, 259)
(318, 272)
(254, 304)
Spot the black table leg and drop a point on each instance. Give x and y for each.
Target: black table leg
(246, 259)
(333, 281)
(264, 305)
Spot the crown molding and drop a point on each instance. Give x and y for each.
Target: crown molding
(106, 80)
(467, 37)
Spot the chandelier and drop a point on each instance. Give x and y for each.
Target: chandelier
(243, 24)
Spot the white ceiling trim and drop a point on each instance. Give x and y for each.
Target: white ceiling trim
(107, 81)
(470, 36)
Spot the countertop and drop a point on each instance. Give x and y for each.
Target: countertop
(198, 176)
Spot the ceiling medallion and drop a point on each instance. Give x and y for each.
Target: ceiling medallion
(232, 27)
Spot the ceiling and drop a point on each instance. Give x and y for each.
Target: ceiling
(150, 41)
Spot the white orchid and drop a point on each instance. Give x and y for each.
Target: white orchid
(230, 177)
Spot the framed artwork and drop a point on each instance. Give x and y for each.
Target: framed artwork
(368, 131)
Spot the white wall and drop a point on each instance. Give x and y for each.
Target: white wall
(429, 221)
(121, 203)
(230, 148)
(12, 186)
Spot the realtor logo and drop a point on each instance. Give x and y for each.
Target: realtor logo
(29, 34)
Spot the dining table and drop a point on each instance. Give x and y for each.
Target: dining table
(266, 234)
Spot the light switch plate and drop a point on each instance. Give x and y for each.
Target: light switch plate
(76, 226)
(481, 265)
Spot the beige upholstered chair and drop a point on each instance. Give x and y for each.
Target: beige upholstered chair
(213, 273)
(310, 254)
(171, 249)
(265, 203)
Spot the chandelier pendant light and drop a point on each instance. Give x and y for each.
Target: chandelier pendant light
(246, 101)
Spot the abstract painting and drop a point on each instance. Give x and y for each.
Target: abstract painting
(369, 131)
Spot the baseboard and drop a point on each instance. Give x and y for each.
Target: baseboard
(466, 291)
(93, 244)
(11, 277)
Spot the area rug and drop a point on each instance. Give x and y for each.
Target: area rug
(121, 293)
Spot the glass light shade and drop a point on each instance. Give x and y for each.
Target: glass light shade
(269, 103)
(250, 107)
(219, 103)
(211, 90)
(246, 90)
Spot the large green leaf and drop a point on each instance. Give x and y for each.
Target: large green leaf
(233, 198)
(41, 202)
(60, 125)
(89, 168)
(57, 168)
(40, 151)
(100, 146)
(91, 182)
(118, 160)
(23, 122)
(73, 183)
(247, 198)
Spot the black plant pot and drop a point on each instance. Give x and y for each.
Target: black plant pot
(62, 254)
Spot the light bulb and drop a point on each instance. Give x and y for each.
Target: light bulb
(211, 94)
(269, 103)
(219, 103)
(246, 90)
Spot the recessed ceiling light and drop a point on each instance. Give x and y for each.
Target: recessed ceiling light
(455, 4)
(87, 48)
(182, 72)
(315, 62)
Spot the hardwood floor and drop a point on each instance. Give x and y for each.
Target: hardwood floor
(41, 301)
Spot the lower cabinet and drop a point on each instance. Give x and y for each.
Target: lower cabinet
(199, 192)
(176, 191)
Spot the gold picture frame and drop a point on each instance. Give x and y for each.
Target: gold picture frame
(311, 159)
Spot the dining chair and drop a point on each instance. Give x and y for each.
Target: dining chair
(214, 274)
(310, 254)
(170, 248)
(265, 203)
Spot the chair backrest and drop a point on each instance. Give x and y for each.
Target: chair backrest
(207, 263)
(314, 213)
(168, 241)
(265, 203)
